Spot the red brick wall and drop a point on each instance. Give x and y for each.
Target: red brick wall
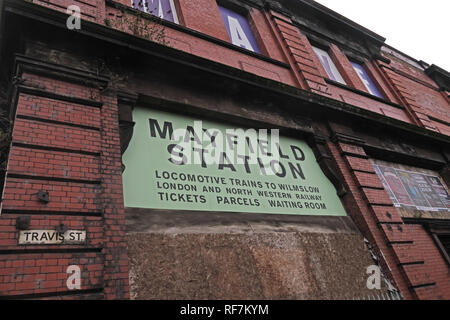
(431, 100)
(282, 41)
(220, 53)
(418, 93)
(305, 65)
(210, 23)
(89, 8)
(415, 263)
(72, 151)
(367, 216)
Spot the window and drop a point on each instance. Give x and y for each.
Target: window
(165, 9)
(239, 30)
(445, 241)
(329, 65)
(441, 236)
(368, 83)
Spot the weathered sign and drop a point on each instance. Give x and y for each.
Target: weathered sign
(178, 162)
(414, 190)
(30, 237)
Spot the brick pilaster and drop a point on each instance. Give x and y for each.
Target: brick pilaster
(116, 259)
(65, 143)
(301, 56)
(403, 247)
(413, 108)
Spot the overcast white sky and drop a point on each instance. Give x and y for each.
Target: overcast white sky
(419, 28)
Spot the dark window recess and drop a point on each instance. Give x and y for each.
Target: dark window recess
(445, 241)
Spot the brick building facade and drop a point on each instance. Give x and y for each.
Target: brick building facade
(363, 107)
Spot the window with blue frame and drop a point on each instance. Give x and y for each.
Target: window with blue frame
(165, 9)
(365, 78)
(328, 65)
(239, 30)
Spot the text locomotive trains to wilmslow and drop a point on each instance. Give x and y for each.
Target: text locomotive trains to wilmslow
(186, 177)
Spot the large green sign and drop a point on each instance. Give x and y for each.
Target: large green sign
(183, 163)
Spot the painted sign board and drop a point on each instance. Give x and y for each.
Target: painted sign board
(183, 163)
(414, 190)
(38, 237)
